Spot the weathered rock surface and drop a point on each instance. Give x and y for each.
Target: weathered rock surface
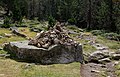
(116, 56)
(35, 29)
(54, 54)
(104, 60)
(97, 55)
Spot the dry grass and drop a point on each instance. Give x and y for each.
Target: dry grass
(11, 68)
(27, 32)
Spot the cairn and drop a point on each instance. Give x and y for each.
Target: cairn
(55, 35)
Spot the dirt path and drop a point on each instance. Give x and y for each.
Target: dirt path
(90, 70)
(111, 69)
(98, 70)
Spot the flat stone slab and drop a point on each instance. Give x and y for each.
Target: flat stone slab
(56, 54)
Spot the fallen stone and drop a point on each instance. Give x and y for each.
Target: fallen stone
(103, 66)
(8, 35)
(2, 75)
(18, 33)
(1, 48)
(95, 71)
(13, 28)
(104, 60)
(54, 54)
(97, 55)
(35, 30)
(116, 56)
(116, 62)
(118, 51)
(1, 37)
(100, 47)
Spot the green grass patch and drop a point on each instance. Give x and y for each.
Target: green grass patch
(27, 32)
(117, 67)
(11, 39)
(88, 49)
(2, 52)
(74, 28)
(6, 39)
(11, 68)
(112, 44)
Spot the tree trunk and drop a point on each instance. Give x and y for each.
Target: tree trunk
(89, 16)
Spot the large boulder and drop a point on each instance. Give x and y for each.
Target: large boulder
(54, 54)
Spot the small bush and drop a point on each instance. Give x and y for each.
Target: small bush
(112, 36)
(51, 21)
(7, 22)
(97, 32)
(72, 21)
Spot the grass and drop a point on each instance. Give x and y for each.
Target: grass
(113, 45)
(75, 29)
(87, 48)
(11, 68)
(2, 52)
(27, 32)
(117, 70)
(6, 39)
(15, 38)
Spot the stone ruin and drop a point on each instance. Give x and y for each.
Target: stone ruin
(48, 47)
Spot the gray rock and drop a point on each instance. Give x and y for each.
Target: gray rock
(72, 32)
(104, 60)
(13, 28)
(118, 52)
(18, 33)
(116, 62)
(97, 55)
(95, 71)
(116, 56)
(100, 47)
(54, 54)
(1, 48)
(35, 29)
(1, 37)
(8, 35)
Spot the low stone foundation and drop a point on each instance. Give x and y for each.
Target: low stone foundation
(53, 55)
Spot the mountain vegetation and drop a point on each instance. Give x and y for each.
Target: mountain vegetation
(89, 14)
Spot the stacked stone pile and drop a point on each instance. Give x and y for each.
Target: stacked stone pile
(55, 35)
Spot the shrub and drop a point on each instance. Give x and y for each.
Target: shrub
(97, 32)
(112, 36)
(51, 21)
(72, 21)
(7, 22)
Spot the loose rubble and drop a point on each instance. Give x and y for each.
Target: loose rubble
(55, 35)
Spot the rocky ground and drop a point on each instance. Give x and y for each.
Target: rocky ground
(101, 63)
